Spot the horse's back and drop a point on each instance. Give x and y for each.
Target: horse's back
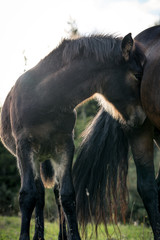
(150, 88)
(149, 36)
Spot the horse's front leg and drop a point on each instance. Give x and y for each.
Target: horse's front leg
(141, 141)
(67, 192)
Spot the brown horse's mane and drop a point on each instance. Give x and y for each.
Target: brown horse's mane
(100, 47)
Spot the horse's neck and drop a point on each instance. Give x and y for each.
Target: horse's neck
(80, 81)
(72, 84)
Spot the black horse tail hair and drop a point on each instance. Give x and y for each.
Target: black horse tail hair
(100, 172)
(47, 174)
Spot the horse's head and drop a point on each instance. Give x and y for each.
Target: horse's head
(123, 85)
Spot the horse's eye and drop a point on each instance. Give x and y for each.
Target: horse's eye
(138, 76)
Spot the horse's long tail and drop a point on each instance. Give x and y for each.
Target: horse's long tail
(100, 172)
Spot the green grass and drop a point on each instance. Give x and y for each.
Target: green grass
(10, 227)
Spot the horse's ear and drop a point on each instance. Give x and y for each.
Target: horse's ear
(127, 45)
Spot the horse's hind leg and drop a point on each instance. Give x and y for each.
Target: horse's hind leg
(67, 190)
(39, 216)
(27, 198)
(62, 222)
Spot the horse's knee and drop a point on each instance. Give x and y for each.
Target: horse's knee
(141, 188)
(147, 190)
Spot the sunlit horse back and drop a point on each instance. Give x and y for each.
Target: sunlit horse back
(38, 116)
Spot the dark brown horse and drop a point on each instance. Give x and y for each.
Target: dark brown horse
(111, 141)
(38, 116)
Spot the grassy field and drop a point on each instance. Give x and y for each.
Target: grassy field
(9, 230)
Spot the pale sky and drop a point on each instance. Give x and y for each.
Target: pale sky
(35, 27)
